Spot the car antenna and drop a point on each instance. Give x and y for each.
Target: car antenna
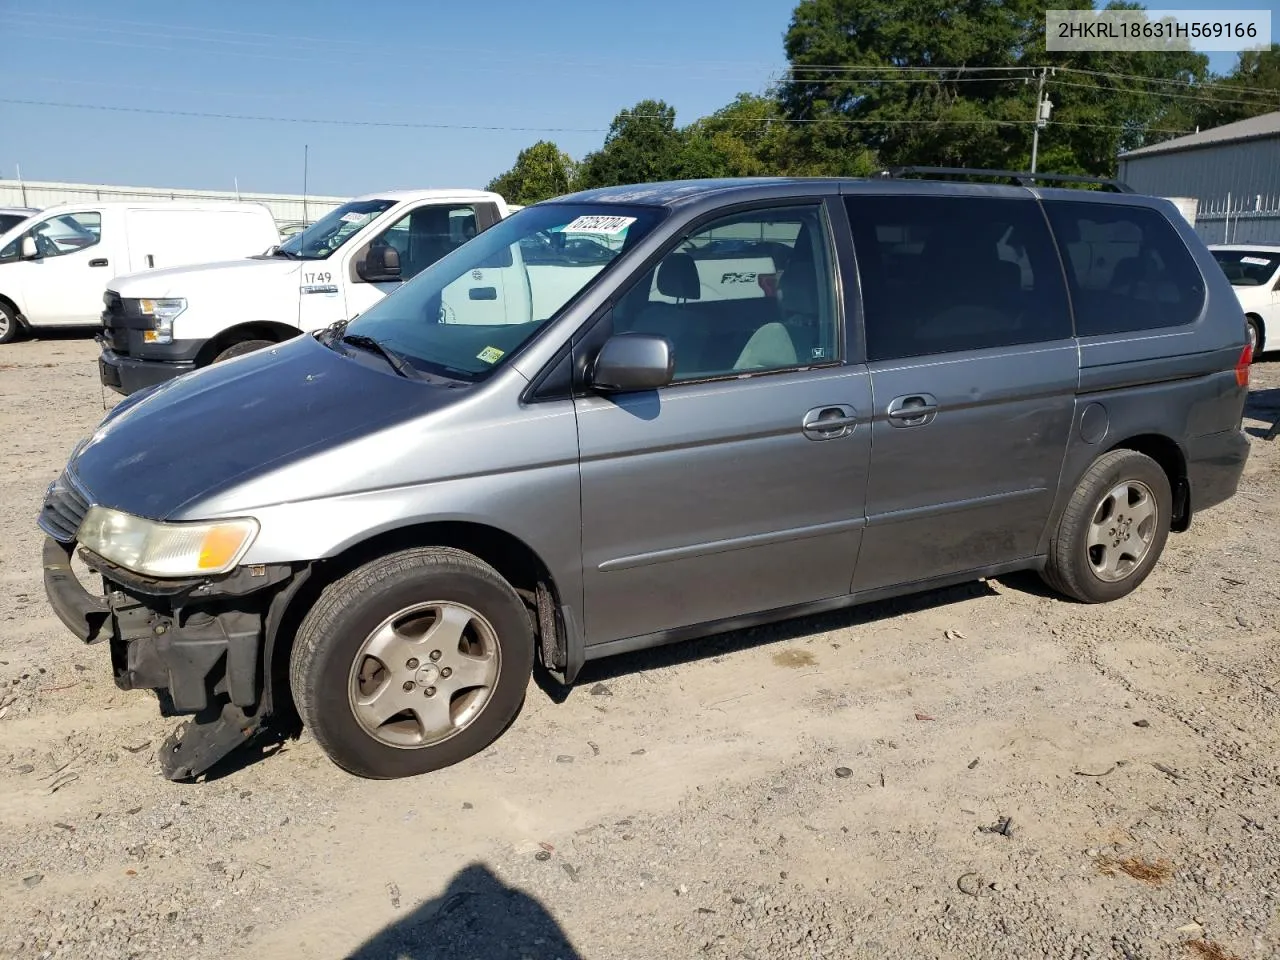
(306, 149)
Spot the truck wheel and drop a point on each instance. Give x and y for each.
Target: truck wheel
(412, 662)
(241, 348)
(1113, 529)
(10, 326)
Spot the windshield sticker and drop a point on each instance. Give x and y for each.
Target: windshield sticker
(490, 354)
(1256, 261)
(353, 217)
(610, 226)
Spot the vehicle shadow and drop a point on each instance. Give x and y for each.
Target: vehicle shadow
(1262, 405)
(787, 630)
(61, 334)
(476, 916)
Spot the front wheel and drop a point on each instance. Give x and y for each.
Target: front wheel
(1113, 529)
(413, 662)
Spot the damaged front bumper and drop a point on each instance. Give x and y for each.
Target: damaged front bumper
(204, 645)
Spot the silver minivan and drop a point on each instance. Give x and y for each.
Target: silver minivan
(715, 404)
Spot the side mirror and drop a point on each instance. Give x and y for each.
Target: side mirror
(633, 361)
(29, 251)
(380, 265)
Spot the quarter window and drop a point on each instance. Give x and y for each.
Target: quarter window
(945, 274)
(1127, 267)
(749, 293)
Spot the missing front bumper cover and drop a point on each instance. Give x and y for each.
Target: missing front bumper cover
(198, 644)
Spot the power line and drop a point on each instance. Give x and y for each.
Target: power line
(1165, 94)
(1199, 85)
(408, 124)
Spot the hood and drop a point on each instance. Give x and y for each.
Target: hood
(181, 281)
(227, 423)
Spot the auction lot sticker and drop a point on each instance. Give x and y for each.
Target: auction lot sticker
(606, 225)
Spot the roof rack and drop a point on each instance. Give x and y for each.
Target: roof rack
(1023, 178)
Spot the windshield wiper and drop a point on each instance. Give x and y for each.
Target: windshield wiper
(282, 252)
(398, 363)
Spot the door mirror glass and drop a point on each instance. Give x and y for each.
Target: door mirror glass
(380, 265)
(633, 361)
(29, 251)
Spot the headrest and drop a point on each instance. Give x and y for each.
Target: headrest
(678, 277)
(798, 287)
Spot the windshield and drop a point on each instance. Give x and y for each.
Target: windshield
(332, 230)
(1248, 268)
(479, 304)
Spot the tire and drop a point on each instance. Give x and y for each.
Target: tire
(366, 649)
(10, 326)
(1130, 543)
(1255, 335)
(241, 348)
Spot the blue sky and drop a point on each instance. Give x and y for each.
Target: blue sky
(491, 63)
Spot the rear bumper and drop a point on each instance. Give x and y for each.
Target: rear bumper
(126, 375)
(1215, 464)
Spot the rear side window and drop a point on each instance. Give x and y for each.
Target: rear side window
(1127, 268)
(945, 274)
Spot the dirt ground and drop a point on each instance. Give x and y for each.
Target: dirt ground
(831, 787)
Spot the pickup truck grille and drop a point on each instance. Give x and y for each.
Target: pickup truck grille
(64, 508)
(115, 334)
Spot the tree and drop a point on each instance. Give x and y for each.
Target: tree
(746, 136)
(1251, 88)
(642, 146)
(540, 172)
(949, 83)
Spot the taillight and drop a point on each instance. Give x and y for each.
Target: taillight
(1242, 366)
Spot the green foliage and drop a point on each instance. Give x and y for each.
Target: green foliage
(642, 145)
(878, 83)
(1253, 87)
(948, 117)
(540, 172)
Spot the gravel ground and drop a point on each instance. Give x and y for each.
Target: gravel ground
(980, 772)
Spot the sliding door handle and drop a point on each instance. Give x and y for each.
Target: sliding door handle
(913, 410)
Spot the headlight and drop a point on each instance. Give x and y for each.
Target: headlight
(166, 549)
(163, 313)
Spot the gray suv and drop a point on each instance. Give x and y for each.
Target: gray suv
(759, 399)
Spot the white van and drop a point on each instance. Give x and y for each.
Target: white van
(162, 323)
(54, 266)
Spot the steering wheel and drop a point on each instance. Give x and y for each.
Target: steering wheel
(45, 247)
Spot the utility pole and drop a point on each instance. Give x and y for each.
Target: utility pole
(1043, 107)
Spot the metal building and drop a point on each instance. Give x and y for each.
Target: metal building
(1232, 170)
(286, 208)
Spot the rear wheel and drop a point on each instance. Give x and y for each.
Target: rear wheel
(1113, 529)
(241, 348)
(10, 326)
(411, 663)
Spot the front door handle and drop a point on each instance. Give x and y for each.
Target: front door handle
(830, 422)
(99, 262)
(913, 410)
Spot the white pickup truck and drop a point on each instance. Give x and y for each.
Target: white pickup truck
(162, 323)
